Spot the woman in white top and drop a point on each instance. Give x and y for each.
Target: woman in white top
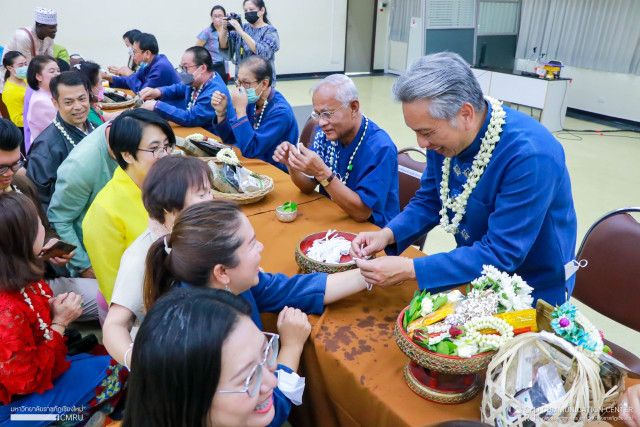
(163, 198)
(40, 111)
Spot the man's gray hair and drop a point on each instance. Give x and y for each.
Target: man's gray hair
(445, 80)
(345, 88)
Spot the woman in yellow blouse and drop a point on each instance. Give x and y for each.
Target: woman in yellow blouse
(15, 86)
(117, 216)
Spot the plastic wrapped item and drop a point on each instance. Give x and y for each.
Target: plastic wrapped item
(220, 181)
(547, 388)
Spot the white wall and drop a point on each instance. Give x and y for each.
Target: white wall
(382, 36)
(600, 92)
(312, 33)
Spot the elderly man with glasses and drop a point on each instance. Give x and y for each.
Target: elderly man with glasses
(188, 103)
(354, 161)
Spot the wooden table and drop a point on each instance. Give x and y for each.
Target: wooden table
(352, 364)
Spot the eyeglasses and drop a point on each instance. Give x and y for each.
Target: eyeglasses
(186, 69)
(245, 85)
(326, 115)
(159, 151)
(253, 381)
(15, 167)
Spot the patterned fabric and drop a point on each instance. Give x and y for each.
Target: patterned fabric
(210, 38)
(267, 44)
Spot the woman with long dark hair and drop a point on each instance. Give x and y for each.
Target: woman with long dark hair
(201, 361)
(255, 37)
(213, 245)
(34, 369)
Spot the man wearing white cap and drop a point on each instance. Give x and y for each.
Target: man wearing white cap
(35, 40)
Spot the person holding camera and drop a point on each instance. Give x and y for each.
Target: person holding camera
(209, 38)
(256, 37)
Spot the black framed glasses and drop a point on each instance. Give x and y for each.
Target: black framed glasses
(246, 85)
(15, 167)
(327, 115)
(159, 151)
(186, 68)
(253, 381)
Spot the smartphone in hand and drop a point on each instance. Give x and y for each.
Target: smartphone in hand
(59, 248)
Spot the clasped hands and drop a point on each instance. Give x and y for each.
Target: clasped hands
(148, 94)
(302, 159)
(239, 100)
(384, 271)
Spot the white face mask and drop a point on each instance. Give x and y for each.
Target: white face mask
(130, 51)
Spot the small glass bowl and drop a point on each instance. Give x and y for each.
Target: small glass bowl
(286, 216)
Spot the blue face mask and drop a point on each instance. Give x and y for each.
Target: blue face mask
(21, 72)
(252, 96)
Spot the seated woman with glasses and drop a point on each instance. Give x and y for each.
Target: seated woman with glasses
(212, 244)
(138, 139)
(225, 365)
(163, 199)
(261, 118)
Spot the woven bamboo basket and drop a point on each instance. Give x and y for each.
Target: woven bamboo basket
(309, 265)
(247, 198)
(439, 362)
(118, 105)
(585, 398)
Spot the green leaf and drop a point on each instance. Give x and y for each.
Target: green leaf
(468, 288)
(452, 347)
(289, 207)
(405, 320)
(439, 302)
(442, 348)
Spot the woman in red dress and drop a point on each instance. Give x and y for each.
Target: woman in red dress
(36, 376)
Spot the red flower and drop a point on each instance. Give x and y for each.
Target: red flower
(454, 332)
(601, 334)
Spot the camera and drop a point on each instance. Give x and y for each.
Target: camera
(233, 16)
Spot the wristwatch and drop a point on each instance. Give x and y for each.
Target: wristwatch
(327, 181)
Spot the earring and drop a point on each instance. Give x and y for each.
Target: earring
(226, 288)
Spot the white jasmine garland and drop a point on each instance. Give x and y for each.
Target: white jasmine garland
(458, 205)
(593, 333)
(333, 158)
(264, 107)
(64, 133)
(43, 326)
(226, 155)
(426, 306)
(486, 342)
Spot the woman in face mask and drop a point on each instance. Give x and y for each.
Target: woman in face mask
(13, 96)
(256, 37)
(92, 71)
(263, 118)
(131, 67)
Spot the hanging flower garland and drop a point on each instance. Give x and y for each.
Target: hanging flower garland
(64, 133)
(43, 326)
(458, 204)
(574, 327)
(264, 107)
(333, 158)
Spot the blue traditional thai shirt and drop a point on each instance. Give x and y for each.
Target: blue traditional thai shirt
(373, 173)
(258, 135)
(191, 107)
(520, 217)
(158, 73)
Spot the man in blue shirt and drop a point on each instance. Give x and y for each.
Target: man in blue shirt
(188, 103)
(155, 69)
(495, 178)
(354, 161)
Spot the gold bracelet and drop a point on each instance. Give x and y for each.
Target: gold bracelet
(59, 324)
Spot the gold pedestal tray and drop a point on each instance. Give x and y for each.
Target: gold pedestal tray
(437, 377)
(452, 389)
